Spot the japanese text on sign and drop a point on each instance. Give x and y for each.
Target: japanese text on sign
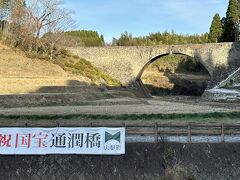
(62, 141)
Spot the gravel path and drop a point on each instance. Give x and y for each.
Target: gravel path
(153, 107)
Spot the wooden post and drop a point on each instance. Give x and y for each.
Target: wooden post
(189, 133)
(155, 132)
(222, 133)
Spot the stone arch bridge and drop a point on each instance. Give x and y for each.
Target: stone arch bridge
(126, 63)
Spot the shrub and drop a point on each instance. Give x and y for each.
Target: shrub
(85, 68)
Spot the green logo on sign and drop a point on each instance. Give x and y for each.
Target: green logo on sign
(109, 136)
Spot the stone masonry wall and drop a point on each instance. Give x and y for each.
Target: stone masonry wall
(125, 63)
(142, 161)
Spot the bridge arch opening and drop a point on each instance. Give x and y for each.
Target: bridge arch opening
(173, 74)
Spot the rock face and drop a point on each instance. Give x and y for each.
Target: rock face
(232, 82)
(221, 94)
(141, 161)
(128, 63)
(227, 90)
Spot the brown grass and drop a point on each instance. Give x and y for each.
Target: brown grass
(157, 79)
(20, 74)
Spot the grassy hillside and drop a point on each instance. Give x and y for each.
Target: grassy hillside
(81, 67)
(21, 73)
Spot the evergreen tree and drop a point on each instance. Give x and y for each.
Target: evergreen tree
(216, 29)
(102, 39)
(166, 38)
(125, 39)
(232, 17)
(87, 38)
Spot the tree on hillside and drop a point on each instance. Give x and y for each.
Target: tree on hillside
(32, 20)
(87, 38)
(4, 9)
(166, 38)
(4, 16)
(42, 13)
(216, 29)
(56, 33)
(20, 32)
(102, 38)
(126, 39)
(231, 20)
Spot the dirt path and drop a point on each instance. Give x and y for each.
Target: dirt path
(153, 107)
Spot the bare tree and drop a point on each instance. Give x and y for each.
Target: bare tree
(56, 25)
(22, 28)
(35, 25)
(40, 23)
(48, 21)
(5, 10)
(43, 13)
(56, 36)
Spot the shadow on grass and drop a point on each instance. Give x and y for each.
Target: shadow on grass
(189, 78)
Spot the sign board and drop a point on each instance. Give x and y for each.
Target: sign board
(40, 141)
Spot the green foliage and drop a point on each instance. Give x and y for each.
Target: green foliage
(232, 16)
(192, 117)
(169, 155)
(102, 39)
(87, 38)
(34, 55)
(179, 64)
(75, 56)
(85, 68)
(126, 39)
(216, 29)
(64, 52)
(167, 63)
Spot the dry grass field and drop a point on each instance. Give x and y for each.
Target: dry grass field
(20, 74)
